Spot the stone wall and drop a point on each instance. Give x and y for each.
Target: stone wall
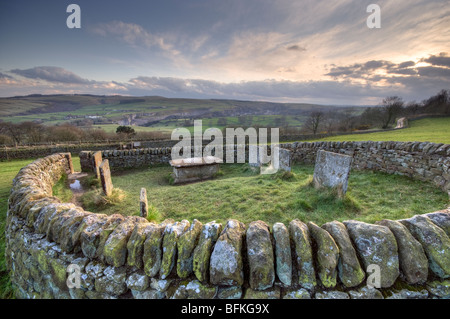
(128, 257)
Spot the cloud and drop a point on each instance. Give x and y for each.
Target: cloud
(431, 71)
(377, 70)
(271, 90)
(296, 47)
(51, 74)
(130, 33)
(5, 76)
(441, 60)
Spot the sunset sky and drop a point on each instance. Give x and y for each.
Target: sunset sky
(275, 50)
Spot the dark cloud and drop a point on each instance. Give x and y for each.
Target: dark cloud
(441, 60)
(296, 47)
(431, 71)
(406, 64)
(368, 70)
(5, 76)
(52, 74)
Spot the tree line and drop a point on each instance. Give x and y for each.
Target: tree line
(37, 133)
(383, 116)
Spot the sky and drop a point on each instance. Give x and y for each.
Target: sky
(305, 51)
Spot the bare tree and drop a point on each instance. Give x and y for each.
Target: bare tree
(313, 122)
(391, 107)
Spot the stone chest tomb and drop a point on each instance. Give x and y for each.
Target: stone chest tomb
(194, 169)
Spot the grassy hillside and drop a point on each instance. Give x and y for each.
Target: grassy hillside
(436, 130)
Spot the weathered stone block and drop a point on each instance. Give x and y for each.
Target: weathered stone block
(376, 245)
(441, 219)
(115, 250)
(434, 241)
(332, 170)
(349, 269)
(194, 290)
(202, 252)
(327, 254)
(90, 236)
(412, 258)
(152, 255)
(185, 246)
(272, 293)
(332, 295)
(283, 253)
(171, 235)
(226, 264)
(105, 231)
(260, 256)
(297, 294)
(303, 258)
(135, 245)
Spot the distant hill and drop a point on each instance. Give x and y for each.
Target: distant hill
(143, 111)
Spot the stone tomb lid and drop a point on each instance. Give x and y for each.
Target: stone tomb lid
(195, 161)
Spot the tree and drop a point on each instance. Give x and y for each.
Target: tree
(127, 130)
(34, 132)
(439, 103)
(390, 108)
(313, 122)
(14, 131)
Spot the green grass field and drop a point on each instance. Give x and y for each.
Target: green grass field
(240, 194)
(436, 130)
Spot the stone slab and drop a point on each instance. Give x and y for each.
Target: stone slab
(105, 177)
(97, 161)
(332, 170)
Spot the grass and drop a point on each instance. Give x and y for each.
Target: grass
(434, 130)
(241, 194)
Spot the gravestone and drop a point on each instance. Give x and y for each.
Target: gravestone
(332, 170)
(285, 160)
(260, 157)
(97, 160)
(105, 177)
(143, 203)
(69, 162)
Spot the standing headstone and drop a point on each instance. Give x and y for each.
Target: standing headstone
(97, 160)
(253, 156)
(105, 177)
(69, 162)
(285, 160)
(332, 170)
(143, 203)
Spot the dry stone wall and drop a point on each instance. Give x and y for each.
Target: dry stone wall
(58, 250)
